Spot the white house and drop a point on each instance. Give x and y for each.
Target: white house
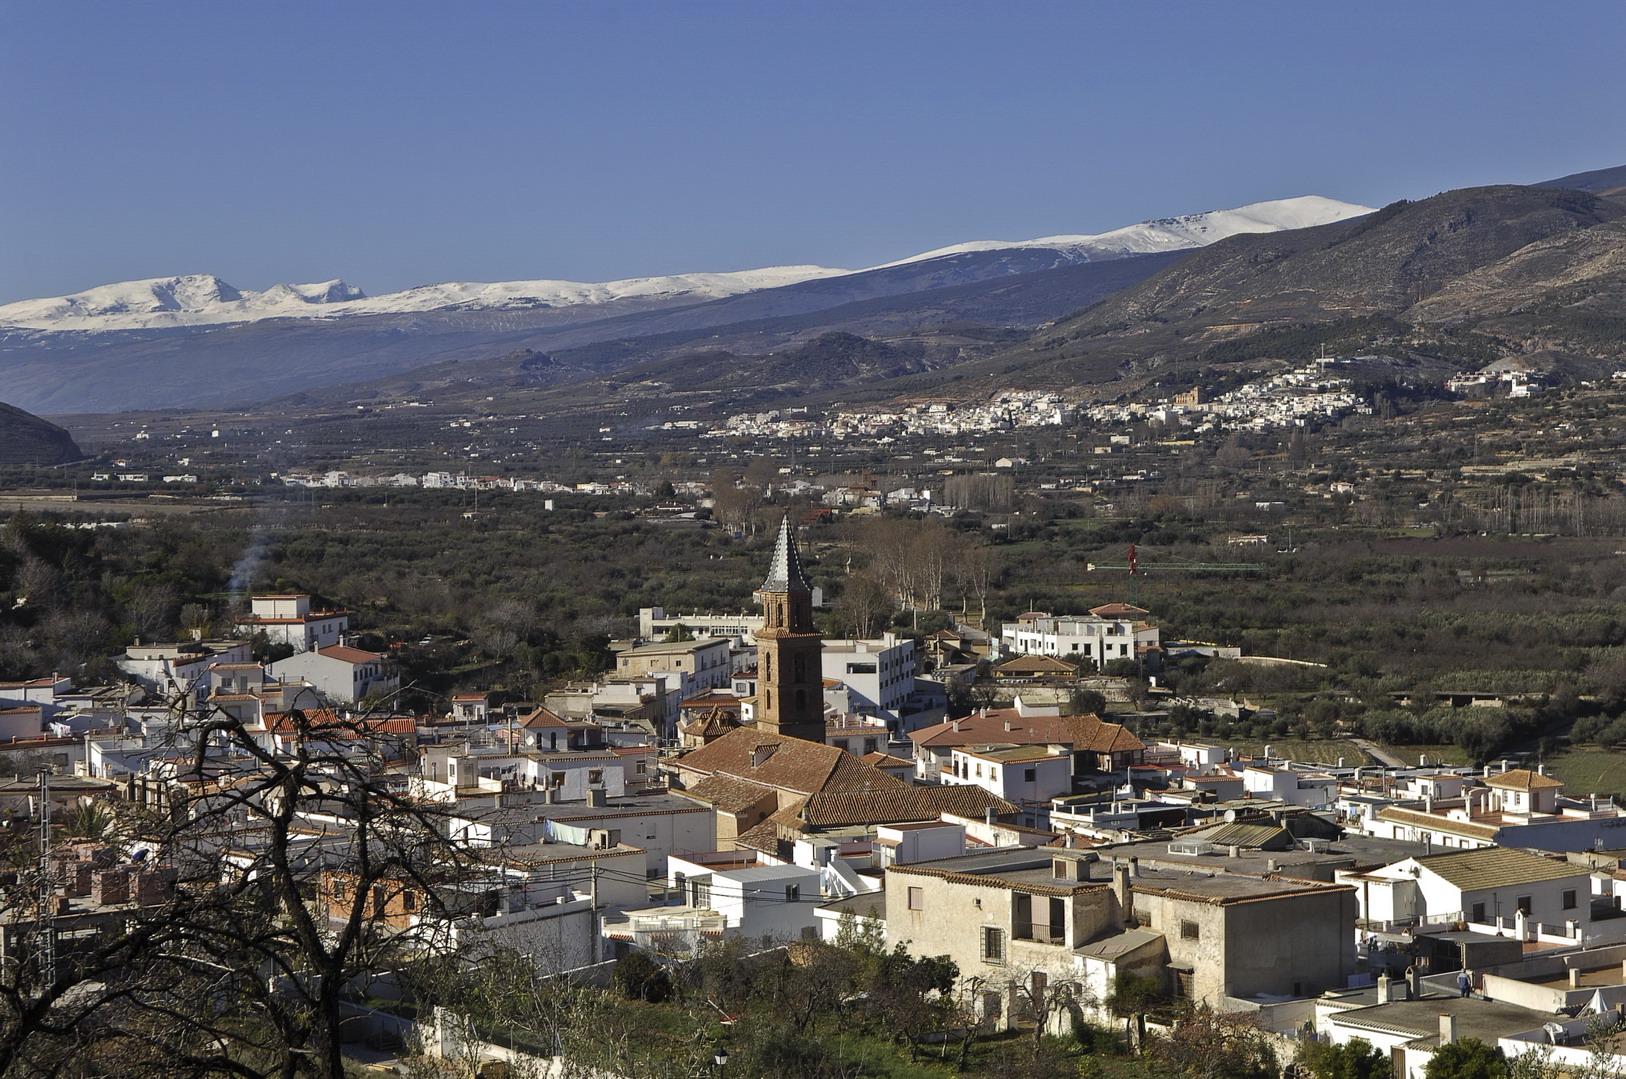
(180, 667)
(341, 674)
(757, 896)
(1493, 886)
(1114, 631)
(1023, 774)
(289, 619)
(1516, 808)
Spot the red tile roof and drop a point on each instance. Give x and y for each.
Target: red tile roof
(791, 764)
(344, 653)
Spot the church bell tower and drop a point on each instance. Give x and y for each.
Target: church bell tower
(790, 677)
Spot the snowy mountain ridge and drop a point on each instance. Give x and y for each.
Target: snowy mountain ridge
(1173, 233)
(203, 300)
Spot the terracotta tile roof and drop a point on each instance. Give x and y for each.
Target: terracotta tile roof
(1095, 735)
(1522, 779)
(791, 764)
(1087, 732)
(345, 654)
(329, 724)
(1037, 665)
(978, 728)
(1117, 610)
(907, 803)
(886, 760)
(542, 717)
(730, 794)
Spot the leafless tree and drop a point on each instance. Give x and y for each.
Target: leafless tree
(290, 863)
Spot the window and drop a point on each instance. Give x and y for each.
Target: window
(1030, 774)
(558, 779)
(1523, 904)
(917, 899)
(1189, 931)
(595, 775)
(993, 944)
(793, 893)
(409, 901)
(641, 767)
(1477, 914)
(341, 888)
(1569, 899)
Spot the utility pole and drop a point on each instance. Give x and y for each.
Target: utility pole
(592, 922)
(45, 895)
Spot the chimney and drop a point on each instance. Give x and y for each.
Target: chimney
(1134, 867)
(956, 726)
(1125, 893)
(496, 800)
(1575, 977)
(1383, 988)
(989, 816)
(596, 796)
(1448, 1029)
(1008, 725)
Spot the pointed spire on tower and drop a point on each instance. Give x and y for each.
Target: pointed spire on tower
(785, 572)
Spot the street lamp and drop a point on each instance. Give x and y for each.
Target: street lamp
(719, 1058)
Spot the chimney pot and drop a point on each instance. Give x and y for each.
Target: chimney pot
(1448, 1029)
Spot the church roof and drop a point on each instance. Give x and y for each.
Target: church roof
(785, 573)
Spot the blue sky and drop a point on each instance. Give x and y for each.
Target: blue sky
(401, 143)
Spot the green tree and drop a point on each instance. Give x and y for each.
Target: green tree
(1354, 1059)
(1466, 1058)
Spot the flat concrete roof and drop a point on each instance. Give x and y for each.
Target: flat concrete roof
(1486, 1020)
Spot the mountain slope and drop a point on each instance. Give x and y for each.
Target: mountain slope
(1376, 268)
(25, 440)
(1596, 180)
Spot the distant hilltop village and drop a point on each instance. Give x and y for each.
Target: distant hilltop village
(740, 777)
(1312, 394)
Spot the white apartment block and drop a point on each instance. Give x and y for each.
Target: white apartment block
(879, 673)
(1100, 639)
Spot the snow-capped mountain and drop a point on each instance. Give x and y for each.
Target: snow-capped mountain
(206, 300)
(203, 300)
(1172, 233)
